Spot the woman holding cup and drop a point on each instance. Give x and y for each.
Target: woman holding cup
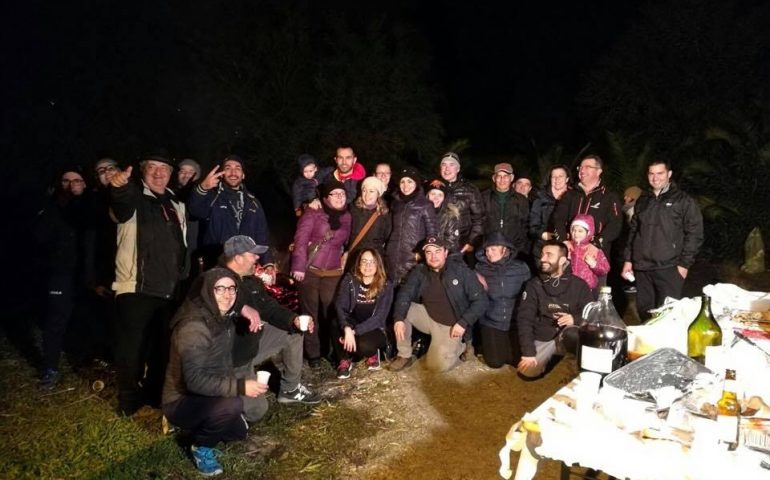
(363, 303)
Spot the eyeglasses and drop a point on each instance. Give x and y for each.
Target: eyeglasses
(102, 170)
(75, 181)
(337, 194)
(366, 261)
(221, 289)
(580, 167)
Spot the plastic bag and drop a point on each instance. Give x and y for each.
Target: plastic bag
(755, 252)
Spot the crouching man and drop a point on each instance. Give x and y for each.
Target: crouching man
(202, 393)
(550, 311)
(442, 299)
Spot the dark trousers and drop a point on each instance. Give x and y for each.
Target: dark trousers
(366, 344)
(653, 286)
(210, 419)
(60, 303)
(142, 338)
(316, 294)
(499, 347)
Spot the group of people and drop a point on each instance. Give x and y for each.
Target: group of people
(374, 261)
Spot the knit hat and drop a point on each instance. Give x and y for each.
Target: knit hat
(504, 167)
(159, 155)
(105, 162)
(189, 162)
(634, 192)
(410, 172)
(329, 186)
(435, 184)
(306, 159)
(375, 183)
(232, 157)
(451, 157)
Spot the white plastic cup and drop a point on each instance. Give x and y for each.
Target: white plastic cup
(263, 376)
(304, 321)
(587, 390)
(630, 277)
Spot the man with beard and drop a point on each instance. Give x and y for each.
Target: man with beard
(226, 209)
(550, 311)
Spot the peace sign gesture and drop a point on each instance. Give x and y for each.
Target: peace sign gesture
(212, 179)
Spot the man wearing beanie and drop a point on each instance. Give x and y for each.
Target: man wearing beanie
(149, 268)
(664, 236)
(467, 197)
(226, 209)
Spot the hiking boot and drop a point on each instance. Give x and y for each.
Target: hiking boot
(49, 379)
(400, 363)
(299, 395)
(373, 362)
(344, 368)
(205, 459)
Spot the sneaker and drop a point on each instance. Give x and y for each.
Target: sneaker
(49, 379)
(314, 363)
(373, 362)
(344, 368)
(206, 460)
(400, 363)
(299, 395)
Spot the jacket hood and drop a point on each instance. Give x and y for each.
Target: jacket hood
(587, 222)
(206, 296)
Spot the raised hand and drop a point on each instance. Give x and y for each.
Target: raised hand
(121, 179)
(212, 179)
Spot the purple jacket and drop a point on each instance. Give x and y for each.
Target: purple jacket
(312, 227)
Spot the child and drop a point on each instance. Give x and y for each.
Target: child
(304, 189)
(588, 261)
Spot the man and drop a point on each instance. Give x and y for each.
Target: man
(276, 332)
(149, 267)
(348, 171)
(227, 209)
(467, 197)
(59, 235)
(665, 235)
(550, 311)
(590, 197)
(442, 299)
(523, 185)
(189, 172)
(506, 210)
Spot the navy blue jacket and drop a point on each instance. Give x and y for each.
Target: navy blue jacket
(504, 280)
(466, 295)
(346, 303)
(216, 208)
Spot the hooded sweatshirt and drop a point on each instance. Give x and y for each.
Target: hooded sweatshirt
(579, 251)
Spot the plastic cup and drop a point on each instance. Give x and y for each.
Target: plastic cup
(263, 376)
(304, 321)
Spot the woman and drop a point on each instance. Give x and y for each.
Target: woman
(369, 204)
(503, 278)
(316, 263)
(201, 393)
(363, 303)
(540, 228)
(413, 221)
(447, 215)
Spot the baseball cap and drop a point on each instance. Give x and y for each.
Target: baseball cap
(240, 244)
(434, 242)
(504, 167)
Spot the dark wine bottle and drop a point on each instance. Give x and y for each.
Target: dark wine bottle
(603, 339)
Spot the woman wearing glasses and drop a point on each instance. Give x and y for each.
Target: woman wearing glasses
(201, 393)
(316, 263)
(363, 302)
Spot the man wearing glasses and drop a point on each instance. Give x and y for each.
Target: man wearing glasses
(590, 197)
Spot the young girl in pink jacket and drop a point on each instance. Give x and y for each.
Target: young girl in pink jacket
(588, 261)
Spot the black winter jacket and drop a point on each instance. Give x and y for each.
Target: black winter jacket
(345, 303)
(535, 319)
(466, 295)
(201, 353)
(504, 280)
(600, 203)
(665, 231)
(60, 234)
(413, 221)
(511, 220)
(378, 233)
(467, 197)
(448, 216)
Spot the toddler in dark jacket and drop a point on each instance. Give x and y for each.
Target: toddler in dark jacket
(304, 189)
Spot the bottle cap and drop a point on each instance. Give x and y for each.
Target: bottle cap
(605, 289)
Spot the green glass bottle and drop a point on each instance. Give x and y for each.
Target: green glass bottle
(703, 332)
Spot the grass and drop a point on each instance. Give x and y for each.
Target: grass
(73, 432)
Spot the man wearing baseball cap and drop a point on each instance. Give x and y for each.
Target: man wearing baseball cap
(442, 299)
(506, 210)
